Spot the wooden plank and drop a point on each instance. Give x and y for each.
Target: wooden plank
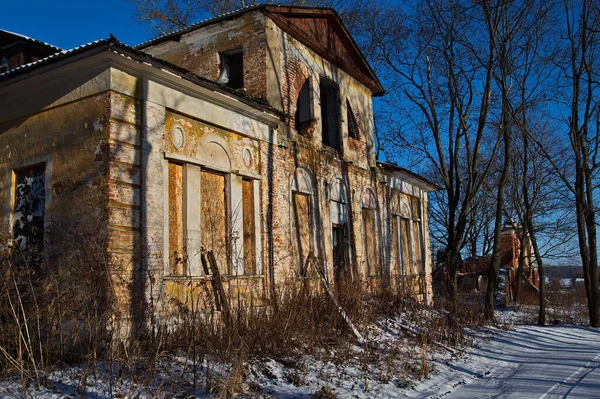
(370, 241)
(249, 227)
(214, 218)
(218, 285)
(176, 247)
(302, 228)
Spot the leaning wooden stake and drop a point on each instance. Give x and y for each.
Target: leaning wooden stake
(218, 285)
(315, 263)
(215, 291)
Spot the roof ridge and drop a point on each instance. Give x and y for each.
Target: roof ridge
(56, 55)
(31, 39)
(199, 23)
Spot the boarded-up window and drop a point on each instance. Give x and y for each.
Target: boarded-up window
(29, 208)
(369, 239)
(176, 247)
(249, 227)
(417, 246)
(214, 218)
(396, 251)
(302, 229)
(407, 252)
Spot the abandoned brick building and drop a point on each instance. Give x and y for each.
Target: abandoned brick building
(250, 135)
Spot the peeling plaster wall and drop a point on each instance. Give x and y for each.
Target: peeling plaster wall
(281, 65)
(198, 51)
(68, 133)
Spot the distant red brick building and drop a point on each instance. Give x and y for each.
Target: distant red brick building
(473, 272)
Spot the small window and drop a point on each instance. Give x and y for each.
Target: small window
(303, 114)
(330, 114)
(232, 69)
(29, 208)
(352, 125)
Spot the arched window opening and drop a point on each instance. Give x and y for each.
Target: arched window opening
(352, 124)
(303, 112)
(330, 114)
(370, 242)
(302, 218)
(338, 210)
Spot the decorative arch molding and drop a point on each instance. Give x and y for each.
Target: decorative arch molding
(214, 151)
(368, 199)
(405, 208)
(339, 191)
(302, 181)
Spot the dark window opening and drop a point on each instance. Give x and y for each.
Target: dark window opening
(352, 125)
(29, 208)
(303, 114)
(339, 251)
(330, 114)
(232, 69)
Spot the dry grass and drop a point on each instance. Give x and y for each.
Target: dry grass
(56, 314)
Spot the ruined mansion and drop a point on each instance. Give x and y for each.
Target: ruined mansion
(249, 135)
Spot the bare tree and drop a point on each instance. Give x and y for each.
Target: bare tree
(581, 74)
(440, 95)
(165, 16)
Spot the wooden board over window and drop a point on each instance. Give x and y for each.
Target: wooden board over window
(214, 218)
(249, 227)
(407, 253)
(302, 229)
(417, 246)
(370, 245)
(396, 253)
(176, 246)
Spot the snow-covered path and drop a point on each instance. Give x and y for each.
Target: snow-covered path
(528, 362)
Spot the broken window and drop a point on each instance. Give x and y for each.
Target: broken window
(330, 114)
(249, 227)
(369, 217)
(213, 224)
(29, 208)
(303, 114)
(232, 69)
(338, 210)
(176, 246)
(352, 125)
(339, 251)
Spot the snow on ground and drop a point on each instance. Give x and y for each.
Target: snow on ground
(524, 361)
(527, 362)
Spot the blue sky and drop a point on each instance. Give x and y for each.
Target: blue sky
(68, 24)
